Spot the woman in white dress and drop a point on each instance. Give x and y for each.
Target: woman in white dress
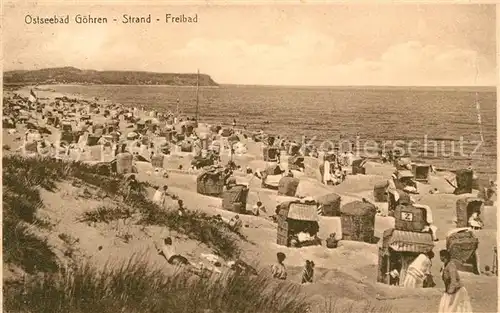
(455, 298)
(418, 271)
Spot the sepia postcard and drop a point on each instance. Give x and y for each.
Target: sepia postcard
(281, 157)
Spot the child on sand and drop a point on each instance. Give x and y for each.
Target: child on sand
(257, 208)
(181, 210)
(235, 223)
(278, 269)
(160, 195)
(308, 272)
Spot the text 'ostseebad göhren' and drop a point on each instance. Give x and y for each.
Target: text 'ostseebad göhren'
(168, 18)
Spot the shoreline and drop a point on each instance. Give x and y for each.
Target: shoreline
(483, 176)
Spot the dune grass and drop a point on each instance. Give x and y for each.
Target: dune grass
(106, 214)
(45, 172)
(196, 225)
(21, 247)
(23, 176)
(26, 250)
(134, 286)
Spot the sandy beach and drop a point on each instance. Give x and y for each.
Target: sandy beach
(347, 274)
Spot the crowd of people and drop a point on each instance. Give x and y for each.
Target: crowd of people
(207, 150)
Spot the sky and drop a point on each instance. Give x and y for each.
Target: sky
(314, 45)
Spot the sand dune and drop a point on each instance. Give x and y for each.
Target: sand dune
(347, 273)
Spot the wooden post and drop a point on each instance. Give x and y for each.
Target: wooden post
(388, 267)
(495, 261)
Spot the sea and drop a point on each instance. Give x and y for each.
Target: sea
(437, 125)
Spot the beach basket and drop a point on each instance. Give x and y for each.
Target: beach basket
(410, 218)
(296, 163)
(287, 186)
(357, 167)
(186, 146)
(270, 154)
(293, 215)
(31, 147)
(235, 199)
(293, 149)
(124, 163)
(465, 207)
(461, 245)
(404, 198)
(157, 160)
(210, 182)
(67, 137)
(329, 204)
(380, 192)
(96, 153)
(92, 140)
(226, 132)
(51, 120)
(421, 172)
(358, 221)
(464, 180)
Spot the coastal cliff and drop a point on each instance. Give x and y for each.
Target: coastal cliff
(71, 75)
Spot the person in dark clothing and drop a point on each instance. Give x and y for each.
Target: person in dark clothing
(308, 272)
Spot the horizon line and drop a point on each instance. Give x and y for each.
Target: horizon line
(256, 85)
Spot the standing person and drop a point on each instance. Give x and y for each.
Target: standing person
(257, 208)
(181, 210)
(418, 271)
(455, 298)
(308, 272)
(278, 269)
(160, 195)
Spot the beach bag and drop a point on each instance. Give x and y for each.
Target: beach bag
(287, 186)
(429, 282)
